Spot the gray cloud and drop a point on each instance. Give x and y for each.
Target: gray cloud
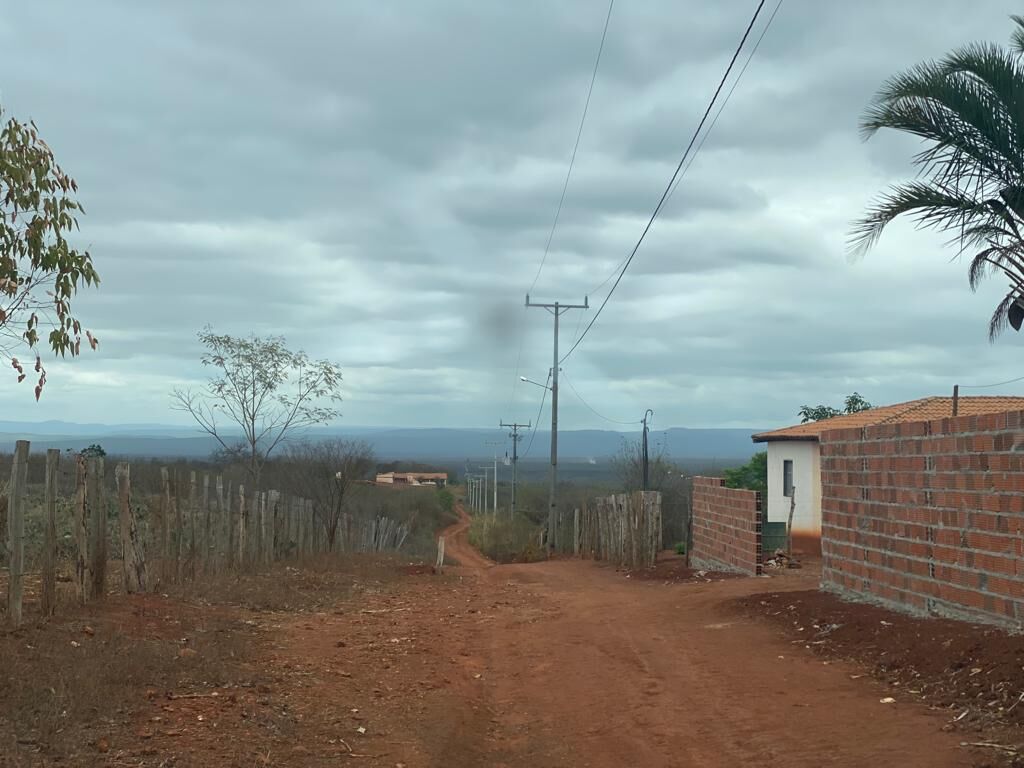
(376, 182)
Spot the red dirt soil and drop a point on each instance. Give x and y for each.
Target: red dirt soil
(562, 663)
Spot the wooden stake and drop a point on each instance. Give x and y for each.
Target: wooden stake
(83, 564)
(192, 516)
(225, 530)
(179, 530)
(270, 527)
(165, 527)
(133, 562)
(16, 530)
(207, 545)
(439, 565)
(98, 508)
(49, 596)
(789, 525)
(243, 515)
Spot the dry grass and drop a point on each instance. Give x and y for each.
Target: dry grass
(72, 681)
(318, 584)
(506, 541)
(68, 683)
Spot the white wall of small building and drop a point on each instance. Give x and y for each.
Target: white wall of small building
(806, 458)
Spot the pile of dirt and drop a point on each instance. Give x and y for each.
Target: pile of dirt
(975, 672)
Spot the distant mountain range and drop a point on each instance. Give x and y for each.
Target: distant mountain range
(161, 440)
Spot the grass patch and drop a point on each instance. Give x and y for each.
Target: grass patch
(505, 540)
(69, 685)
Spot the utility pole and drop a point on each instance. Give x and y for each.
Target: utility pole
(495, 445)
(647, 473)
(516, 437)
(487, 468)
(557, 309)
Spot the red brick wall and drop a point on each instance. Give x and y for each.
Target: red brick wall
(726, 527)
(927, 516)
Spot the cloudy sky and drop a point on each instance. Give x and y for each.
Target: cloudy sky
(376, 181)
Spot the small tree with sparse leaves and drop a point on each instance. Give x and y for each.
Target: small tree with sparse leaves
(40, 272)
(261, 389)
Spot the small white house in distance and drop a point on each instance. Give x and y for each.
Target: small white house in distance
(794, 456)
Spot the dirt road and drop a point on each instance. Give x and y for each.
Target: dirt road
(564, 663)
(598, 670)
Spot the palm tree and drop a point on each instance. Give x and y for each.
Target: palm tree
(969, 109)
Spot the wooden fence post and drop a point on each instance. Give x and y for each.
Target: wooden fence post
(225, 532)
(133, 562)
(576, 531)
(207, 544)
(16, 530)
(789, 523)
(243, 514)
(165, 527)
(439, 565)
(192, 518)
(270, 527)
(179, 533)
(98, 508)
(83, 564)
(49, 596)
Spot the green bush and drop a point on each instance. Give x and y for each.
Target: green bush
(681, 548)
(505, 540)
(753, 475)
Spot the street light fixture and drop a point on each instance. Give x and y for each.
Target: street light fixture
(535, 383)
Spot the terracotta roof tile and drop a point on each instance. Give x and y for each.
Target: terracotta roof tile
(925, 409)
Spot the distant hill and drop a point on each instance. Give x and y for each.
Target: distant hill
(389, 443)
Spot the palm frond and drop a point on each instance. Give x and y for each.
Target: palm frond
(998, 81)
(968, 108)
(1017, 35)
(982, 265)
(930, 205)
(998, 322)
(973, 131)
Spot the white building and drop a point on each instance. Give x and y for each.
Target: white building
(794, 456)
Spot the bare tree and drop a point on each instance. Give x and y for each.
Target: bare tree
(325, 472)
(263, 389)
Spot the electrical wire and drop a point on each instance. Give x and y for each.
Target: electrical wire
(704, 138)
(536, 422)
(725, 101)
(987, 386)
(593, 410)
(561, 200)
(668, 187)
(576, 146)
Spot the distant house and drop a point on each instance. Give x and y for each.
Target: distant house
(436, 479)
(794, 460)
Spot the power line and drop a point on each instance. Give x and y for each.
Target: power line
(987, 386)
(725, 101)
(576, 146)
(536, 422)
(593, 410)
(668, 188)
(561, 200)
(703, 139)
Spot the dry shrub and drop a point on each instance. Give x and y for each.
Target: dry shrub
(506, 541)
(317, 584)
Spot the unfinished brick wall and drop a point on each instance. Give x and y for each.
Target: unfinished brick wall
(928, 516)
(726, 527)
